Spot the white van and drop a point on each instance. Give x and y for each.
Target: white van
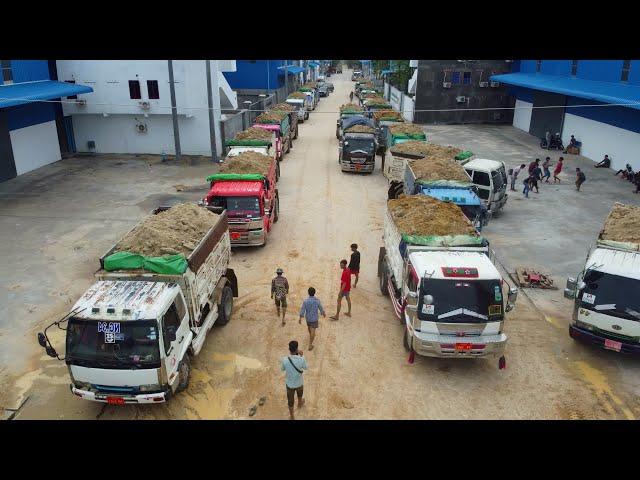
(490, 177)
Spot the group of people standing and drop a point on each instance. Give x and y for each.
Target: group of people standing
(294, 364)
(537, 173)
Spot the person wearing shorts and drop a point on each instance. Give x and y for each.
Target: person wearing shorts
(557, 170)
(294, 365)
(309, 311)
(345, 288)
(547, 172)
(279, 291)
(354, 263)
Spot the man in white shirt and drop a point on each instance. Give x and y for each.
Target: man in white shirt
(293, 365)
(514, 176)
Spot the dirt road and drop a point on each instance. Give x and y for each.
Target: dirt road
(359, 368)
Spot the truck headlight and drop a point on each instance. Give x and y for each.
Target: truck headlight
(149, 388)
(82, 385)
(584, 326)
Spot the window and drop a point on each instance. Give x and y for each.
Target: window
(152, 89)
(455, 78)
(134, 89)
(7, 75)
(626, 66)
(71, 97)
(481, 178)
(574, 67)
(466, 78)
(171, 321)
(538, 65)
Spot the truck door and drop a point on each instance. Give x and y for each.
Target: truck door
(483, 181)
(175, 331)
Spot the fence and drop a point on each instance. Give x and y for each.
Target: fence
(400, 101)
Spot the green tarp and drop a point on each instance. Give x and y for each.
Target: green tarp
(412, 136)
(444, 240)
(252, 177)
(247, 143)
(167, 265)
(464, 155)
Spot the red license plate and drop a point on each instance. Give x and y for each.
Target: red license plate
(358, 167)
(115, 400)
(235, 236)
(462, 347)
(612, 345)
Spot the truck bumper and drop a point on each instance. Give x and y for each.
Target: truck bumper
(444, 346)
(599, 341)
(357, 167)
(248, 238)
(116, 399)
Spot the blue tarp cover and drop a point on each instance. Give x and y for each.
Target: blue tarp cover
(459, 196)
(20, 93)
(607, 92)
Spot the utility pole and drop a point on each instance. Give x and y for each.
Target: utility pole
(174, 112)
(286, 79)
(212, 130)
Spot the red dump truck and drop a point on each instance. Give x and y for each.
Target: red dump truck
(277, 122)
(246, 188)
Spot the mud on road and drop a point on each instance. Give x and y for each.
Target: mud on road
(358, 368)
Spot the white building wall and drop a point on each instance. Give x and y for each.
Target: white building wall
(395, 98)
(35, 146)
(408, 106)
(522, 115)
(599, 139)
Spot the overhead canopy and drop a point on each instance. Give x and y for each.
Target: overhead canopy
(292, 69)
(314, 64)
(607, 92)
(20, 93)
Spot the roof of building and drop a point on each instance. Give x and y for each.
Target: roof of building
(16, 94)
(236, 188)
(293, 69)
(144, 300)
(427, 263)
(607, 92)
(314, 64)
(615, 262)
(483, 164)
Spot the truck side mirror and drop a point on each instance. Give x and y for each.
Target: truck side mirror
(411, 294)
(513, 295)
(42, 340)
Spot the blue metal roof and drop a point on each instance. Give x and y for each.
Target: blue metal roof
(20, 93)
(292, 69)
(314, 64)
(607, 92)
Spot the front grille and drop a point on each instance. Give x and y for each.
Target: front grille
(614, 336)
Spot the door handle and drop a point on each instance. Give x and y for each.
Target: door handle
(181, 339)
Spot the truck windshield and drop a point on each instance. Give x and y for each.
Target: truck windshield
(498, 181)
(611, 295)
(108, 344)
(461, 301)
(239, 206)
(353, 145)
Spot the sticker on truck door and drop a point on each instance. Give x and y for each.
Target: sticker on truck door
(589, 298)
(428, 309)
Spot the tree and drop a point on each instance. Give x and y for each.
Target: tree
(401, 76)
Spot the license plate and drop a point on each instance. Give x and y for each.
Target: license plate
(463, 347)
(358, 167)
(235, 236)
(115, 401)
(612, 345)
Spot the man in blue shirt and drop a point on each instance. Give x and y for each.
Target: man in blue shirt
(309, 310)
(293, 366)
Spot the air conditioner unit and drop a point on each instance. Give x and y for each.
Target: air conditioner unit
(461, 99)
(81, 102)
(495, 84)
(446, 84)
(483, 84)
(141, 127)
(144, 105)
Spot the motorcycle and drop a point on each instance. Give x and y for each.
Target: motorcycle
(555, 142)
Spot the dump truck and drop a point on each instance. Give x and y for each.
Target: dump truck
(278, 123)
(606, 310)
(405, 145)
(358, 145)
(291, 111)
(444, 288)
(131, 336)
(246, 188)
(385, 119)
(374, 104)
(256, 140)
(302, 103)
(347, 110)
(311, 88)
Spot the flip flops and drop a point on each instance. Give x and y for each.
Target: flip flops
(262, 400)
(253, 410)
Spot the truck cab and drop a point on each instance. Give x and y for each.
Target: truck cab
(301, 108)
(357, 152)
(490, 177)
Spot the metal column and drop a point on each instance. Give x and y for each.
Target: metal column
(174, 112)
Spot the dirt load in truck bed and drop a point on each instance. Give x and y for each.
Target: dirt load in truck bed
(298, 95)
(438, 168)
(622, 224)
(177, 230)
(360, 129)
(405, 129)
(284, 106)
(431, 150)
(424, 216)
(254, 133)
(389, 115)
(351, 107)
(247, 162)
(272, 116)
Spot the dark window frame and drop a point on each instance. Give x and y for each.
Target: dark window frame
(455, 78)
(71, 97)
(466, 78)
(153, 90)
(538, 65)
(626, 69)
(574, 67)
(7, 73)
(134, 89)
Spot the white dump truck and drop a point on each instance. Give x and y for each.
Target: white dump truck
(607, 305)
(130, 336)
(445, 289)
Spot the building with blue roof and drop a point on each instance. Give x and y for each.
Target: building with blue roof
(597, 101)
(33, 130)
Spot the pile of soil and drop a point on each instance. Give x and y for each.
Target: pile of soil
(284, 107)
(311, 85)
(622, 224)
(423, 215)
(247, 162)
(388, 115)
(405, 129)
(174, 231)
(372, 95)
(439, 168)
(360, 129)
(254, 133)
(431, 150)
(298, 95)
(351, 107)
(272, 116)
(373, 101)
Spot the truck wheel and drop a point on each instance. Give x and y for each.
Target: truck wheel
(277, 172)
(184, 372)
(276, 211)
(406, 341)
(225, 308)
(383, 282)
(288, 147)
(296, 132)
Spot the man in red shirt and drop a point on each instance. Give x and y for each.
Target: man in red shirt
(345, 288)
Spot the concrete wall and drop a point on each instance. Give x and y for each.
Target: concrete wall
(522, 115)
(395, 98)
(231, 124)
(408, 106)
(35, 146)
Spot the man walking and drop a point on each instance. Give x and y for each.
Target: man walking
(354, 263)
(351, 97)
(533, 165)
(580, 178)
(557, 170)
(309, 311)
(279, 291)
(527, 185)
(514, 176)
(345, 288)
(545, 167)
(293, 365)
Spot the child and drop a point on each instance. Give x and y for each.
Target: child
(545, 167)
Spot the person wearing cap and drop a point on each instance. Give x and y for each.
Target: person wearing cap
(279, 291)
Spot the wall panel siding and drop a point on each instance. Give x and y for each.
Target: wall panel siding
(528, 66)
(603, 70)
(634, 72)
(621, 117)
(29, 70)
(522, 115)
(35, 146)
(30, 114)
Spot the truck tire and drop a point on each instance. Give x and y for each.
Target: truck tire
(288, 147)
(184, 372)
(276, 210)
(296, 131)
(405, 341)
(384, 281)
(277, 172)
(225, 308)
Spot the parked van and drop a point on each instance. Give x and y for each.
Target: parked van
(490, 177)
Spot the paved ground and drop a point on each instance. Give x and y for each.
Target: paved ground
(55, 222)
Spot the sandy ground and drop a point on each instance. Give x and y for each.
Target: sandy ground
(359, 368)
